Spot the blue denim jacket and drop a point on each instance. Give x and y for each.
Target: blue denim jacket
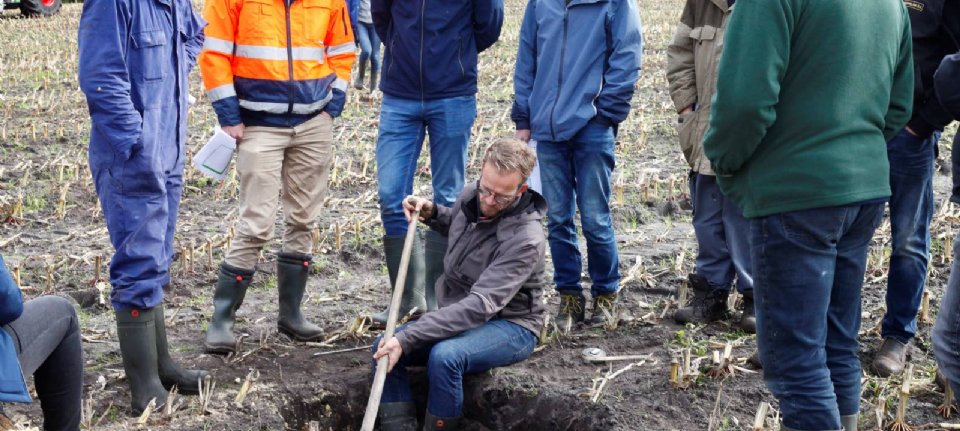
(576, 61)
(12, 386)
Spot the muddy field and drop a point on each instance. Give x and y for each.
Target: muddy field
(54, 239)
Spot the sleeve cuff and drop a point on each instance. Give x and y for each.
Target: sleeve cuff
(522, 124)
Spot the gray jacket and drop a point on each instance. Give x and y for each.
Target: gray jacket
(493, 269)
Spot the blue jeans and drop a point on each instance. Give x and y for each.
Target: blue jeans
(809, 272)
(496, 343)
(403, 126)
(946, 332)
(369, 44)
(911, 209)
(576, 174)
(722, 236)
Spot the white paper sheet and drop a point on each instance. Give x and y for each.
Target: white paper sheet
(215, 157)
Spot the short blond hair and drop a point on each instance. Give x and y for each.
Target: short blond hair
(511, 155)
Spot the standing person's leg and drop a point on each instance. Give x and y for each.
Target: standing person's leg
(843, 316)
(399, 141)
(714, 266)
(374, 55)
(496, 343)
(306, 170)
(911, 209)
(259, 162)
(946, 332)
(558, 176)
(363, 38)
(593, 163)
(47, 337)
(795, 256)
(736, 230)
(449, 124)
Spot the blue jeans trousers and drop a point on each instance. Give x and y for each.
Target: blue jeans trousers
(369, 44)
(404, 123)
(576, 174)
(946, 332)
(723, 236)
(809, 268)
(496, 343)
(911, 209)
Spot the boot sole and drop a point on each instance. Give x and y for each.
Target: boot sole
(182, 389)
(218, 349)
(297, 337)
(380, 326)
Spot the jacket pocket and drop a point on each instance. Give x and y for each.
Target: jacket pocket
(258, 22)
(149, 54)
(141, 173)
(316, 16)
(686, 133)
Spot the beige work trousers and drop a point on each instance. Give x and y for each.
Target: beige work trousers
(270, 160)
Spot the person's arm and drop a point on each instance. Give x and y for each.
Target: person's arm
(102, 72)
(216, 60)
(681, 64)
(947, 84)
(525, 70)
(901, 92)
(755, 55)
(341, 51)
(380, 12)
(11, 299)
(623, 64)
(497, 285)
(195, 37)
(487, 22)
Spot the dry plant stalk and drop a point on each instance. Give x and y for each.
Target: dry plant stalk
(946, 409)
(338, 240)
(723, 364)
(205, 394)
(145, 416)
(171, 397)
(900, 423)
(760, 419)
(252, 376)
(675, 372)
(925, 307)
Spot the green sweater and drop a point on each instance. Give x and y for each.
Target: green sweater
(809, 92)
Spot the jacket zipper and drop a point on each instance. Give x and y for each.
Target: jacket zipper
(563, 49)
(463, 72)
(423, 25)
(286, 4)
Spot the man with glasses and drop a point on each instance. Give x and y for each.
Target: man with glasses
(490, 293)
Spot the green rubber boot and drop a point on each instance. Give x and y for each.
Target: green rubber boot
(232, 284)
(434, 249)
(293, 270)
(138, 347)
(171, 374)
(413, 286)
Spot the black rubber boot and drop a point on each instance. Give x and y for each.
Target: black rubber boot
(434, 249)
(374, 79)
(232, 284)
(293, 269)
(171, 374)
(708, 305)
(361, 70)
(138, 346)
(748, 320)
(431, 423)
(413, 286)
(397, 417)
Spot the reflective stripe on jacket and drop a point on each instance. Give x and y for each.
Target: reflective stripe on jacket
(272, 63)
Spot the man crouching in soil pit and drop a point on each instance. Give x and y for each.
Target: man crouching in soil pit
(490, 295)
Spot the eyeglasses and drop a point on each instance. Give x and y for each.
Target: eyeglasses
(500, 199)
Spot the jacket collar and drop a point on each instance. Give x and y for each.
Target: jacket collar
(528, 203)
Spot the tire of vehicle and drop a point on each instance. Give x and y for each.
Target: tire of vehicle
(40, 7)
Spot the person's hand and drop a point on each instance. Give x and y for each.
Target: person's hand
(687, 110)
(327, 114)
(522, 135)
(235, 132)
(392, 350)
(412, 203)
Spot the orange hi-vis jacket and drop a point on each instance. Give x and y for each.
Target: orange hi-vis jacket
(276, 62)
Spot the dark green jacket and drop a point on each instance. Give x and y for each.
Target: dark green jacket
(808, 93)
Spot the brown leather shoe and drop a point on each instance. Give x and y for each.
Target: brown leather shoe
(890, 359)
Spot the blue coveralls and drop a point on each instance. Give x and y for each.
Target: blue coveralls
(135, 57)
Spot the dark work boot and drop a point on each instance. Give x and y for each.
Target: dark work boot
(138, 347)
(850, 423)
(374, 78)
(754, 360)
(891, 358)
(232, 284)
(171, 374)
(708, 304)
(397, 417)
(434, 249)
(293, 269)
(571, 309)
(413, 286)
(361, 70)
(748, 320)
(431, 423)
(604, 307)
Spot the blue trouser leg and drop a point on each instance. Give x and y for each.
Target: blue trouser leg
(496, 343)
(946, 332)
(594, 160)
(374, 45)
(449, 123)
(559, 188)
(174, 186)
(911, 209)
(399, 141)
(810, 266)
(363, 38)
(722, 236)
